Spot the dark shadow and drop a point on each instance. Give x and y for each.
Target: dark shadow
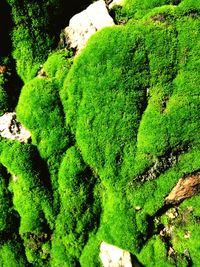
(65, 11)
(135, 261)
(176, 2)
(13, 86)
(151, 230)
(62, 12)
(5, 28)
(13, 82)
(39, 165)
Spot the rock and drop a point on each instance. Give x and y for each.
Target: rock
(14, 178)
(187, 234)
(114, 3)
(41, 73)
(185, 188)
(84, 24)
(10, 128)
(112, 256)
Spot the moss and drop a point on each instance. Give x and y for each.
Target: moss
(40, 110)
(186, 230)
(138, 9)
(30, 198)
(113, 130)
(102, 100)
(10, 255)
(36, 30)
(79, 216)
(90, 254)
(58, 65)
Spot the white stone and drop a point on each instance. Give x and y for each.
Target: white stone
(98, 15)
(116, 2)
(15, 178)
(86, 23)
(112, 256)
(10, 128)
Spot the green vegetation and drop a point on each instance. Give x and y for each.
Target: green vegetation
(37, 25)
(113, 130)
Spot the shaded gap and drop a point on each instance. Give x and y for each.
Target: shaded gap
(13, 82)
(40, 165)
(5, 28)
(135, 261)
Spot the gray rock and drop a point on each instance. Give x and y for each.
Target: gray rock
(10, 128)
(112, 256)
(86, 23)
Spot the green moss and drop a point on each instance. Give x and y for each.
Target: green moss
(154, 253)
(58, 65)
(186, 230)
(114, 129)
(40, 110)
(90, 254)
(5, 100)
(104, 97)
(79, 215)
(30, 198)
(37, 26)
(138, 9)
(11, 255)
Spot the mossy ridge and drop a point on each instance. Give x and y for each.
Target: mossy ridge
(44, 116)
(79, 216)
(11, 254)
(58, 64)
(31, 198)
(87, 92)
(7, 219)
(31, 36)
(47, 124)
(11, 246)
(137, 9)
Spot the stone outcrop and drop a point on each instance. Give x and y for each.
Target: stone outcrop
(112, 256)
(10, 128)
(84, 24)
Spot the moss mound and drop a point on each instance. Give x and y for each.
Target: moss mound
(113, 131)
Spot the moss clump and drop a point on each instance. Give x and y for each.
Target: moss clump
(12, 255)
(31, 198)
(79, 216)
(113, 130)
(104, 96)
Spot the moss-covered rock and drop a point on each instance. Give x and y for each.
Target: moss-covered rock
(113, 131)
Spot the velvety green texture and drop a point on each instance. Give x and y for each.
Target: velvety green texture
(113, 130)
